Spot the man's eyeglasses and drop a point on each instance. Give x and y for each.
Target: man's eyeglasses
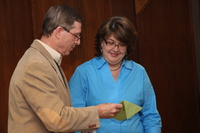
(112, 44)
(79, 37)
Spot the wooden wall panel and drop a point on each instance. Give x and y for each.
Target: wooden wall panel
(16, 36)
(167, 51)
(196, 25)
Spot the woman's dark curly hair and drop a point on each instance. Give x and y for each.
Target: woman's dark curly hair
(123, 30)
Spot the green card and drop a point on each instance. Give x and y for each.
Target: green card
(128, 110)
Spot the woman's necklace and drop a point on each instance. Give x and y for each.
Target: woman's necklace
(116, 68)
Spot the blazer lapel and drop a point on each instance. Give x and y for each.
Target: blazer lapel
(46, 54)
(61, 73)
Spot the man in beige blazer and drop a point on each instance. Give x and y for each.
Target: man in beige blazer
(39, 99)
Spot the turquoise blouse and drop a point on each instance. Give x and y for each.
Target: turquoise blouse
(92, 84)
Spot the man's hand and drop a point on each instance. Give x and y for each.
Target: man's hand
(108, 110)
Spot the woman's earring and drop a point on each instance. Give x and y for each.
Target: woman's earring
(126, 55)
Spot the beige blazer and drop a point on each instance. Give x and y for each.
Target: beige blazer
(39, 101)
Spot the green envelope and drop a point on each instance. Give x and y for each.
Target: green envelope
(128, 110)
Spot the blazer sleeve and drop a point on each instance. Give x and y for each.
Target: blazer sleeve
(42, 87)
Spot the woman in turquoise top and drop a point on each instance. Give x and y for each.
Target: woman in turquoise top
(111, 77)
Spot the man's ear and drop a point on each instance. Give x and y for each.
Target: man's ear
(57, 32)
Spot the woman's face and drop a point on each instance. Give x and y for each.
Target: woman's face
(112, 52)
